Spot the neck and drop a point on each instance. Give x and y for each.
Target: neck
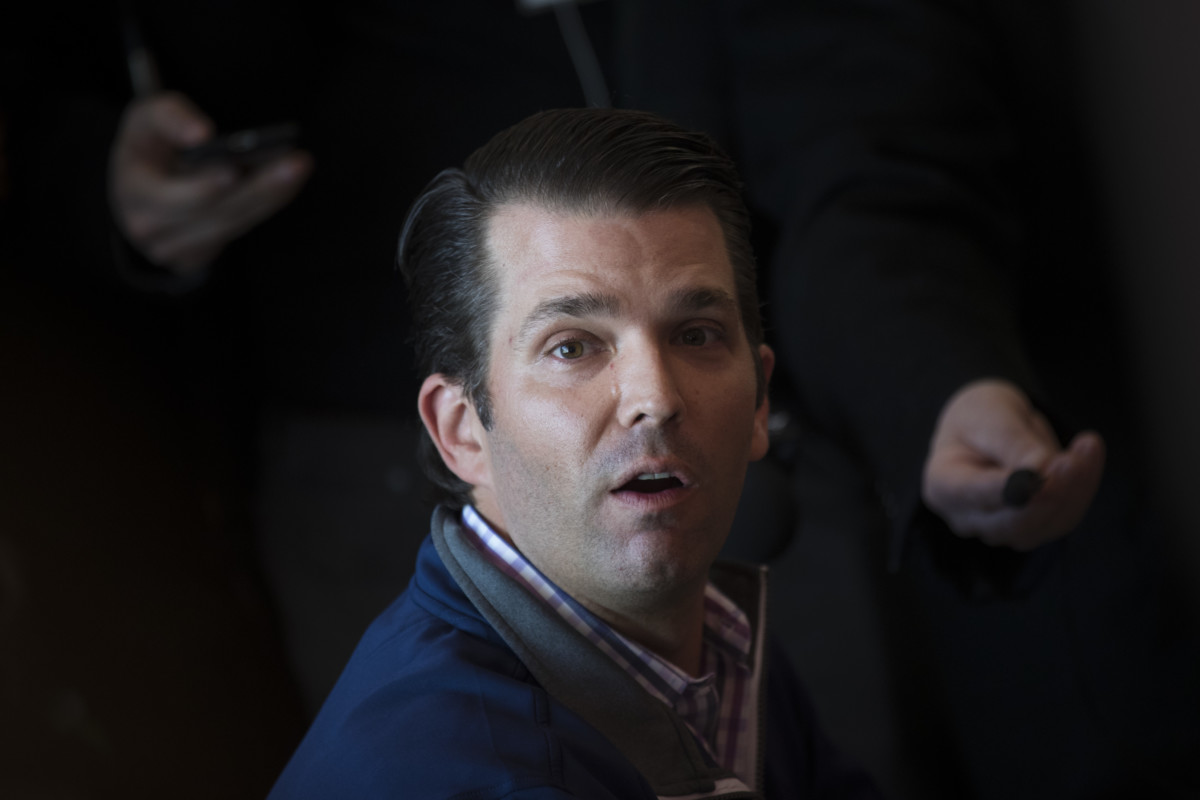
(671, 626)
(673, 633)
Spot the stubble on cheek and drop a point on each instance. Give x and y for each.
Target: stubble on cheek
(554, 480)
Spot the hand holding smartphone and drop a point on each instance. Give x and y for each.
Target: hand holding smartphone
(245, 148)
(173, 196)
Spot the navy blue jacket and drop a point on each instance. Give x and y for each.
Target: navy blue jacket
(437, 703)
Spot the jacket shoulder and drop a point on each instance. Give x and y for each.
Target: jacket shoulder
(427, 707)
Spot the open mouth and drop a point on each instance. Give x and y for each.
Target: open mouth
(651, 483)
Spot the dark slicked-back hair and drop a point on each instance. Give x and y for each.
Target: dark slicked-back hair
(588, 161)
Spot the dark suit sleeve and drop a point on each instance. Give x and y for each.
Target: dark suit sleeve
(877, 135)
(800, 760)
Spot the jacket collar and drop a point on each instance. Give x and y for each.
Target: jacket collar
(654, 739)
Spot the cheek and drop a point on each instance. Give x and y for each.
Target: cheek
(733, 417)
(543, 458)
(558, 420)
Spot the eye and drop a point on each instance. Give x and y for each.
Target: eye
(569, 350)
(698, 336)
(571, 346)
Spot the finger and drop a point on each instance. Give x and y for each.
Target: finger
(153, 131)
(997, 421)
(1003, 528)
(153, 205)
(960, 485)
(1071, 482)
(145, 192)
(968, 477)
(975, 509)
(970, 501)
(186, 194)
(173, 118)
(204, 235)
(184, 251)
(1073, 479)
(1020, 529)
(262, 193)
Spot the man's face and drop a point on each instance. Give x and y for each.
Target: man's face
(623, 391)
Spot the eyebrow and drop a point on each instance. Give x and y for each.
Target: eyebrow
(588, 304)
(592, 304)
(693, 300)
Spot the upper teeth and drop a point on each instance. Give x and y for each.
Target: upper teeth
(653, 476)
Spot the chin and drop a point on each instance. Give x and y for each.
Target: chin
(668, 565)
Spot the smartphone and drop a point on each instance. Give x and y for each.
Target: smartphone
(245, 148)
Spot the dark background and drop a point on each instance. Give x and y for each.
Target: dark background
(140, 654)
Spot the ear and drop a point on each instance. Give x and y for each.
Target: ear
(449, 416)
(761, 439)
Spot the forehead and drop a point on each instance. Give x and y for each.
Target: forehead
(538, 253)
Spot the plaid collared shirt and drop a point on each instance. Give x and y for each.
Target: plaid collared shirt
(716, 706)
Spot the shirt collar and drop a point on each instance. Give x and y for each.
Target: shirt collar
(725, 625)
(718, 706)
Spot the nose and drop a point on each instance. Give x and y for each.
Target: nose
(647, 387)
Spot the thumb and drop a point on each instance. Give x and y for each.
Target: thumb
(1013, 438)
(170, 119)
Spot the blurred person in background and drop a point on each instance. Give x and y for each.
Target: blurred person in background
(949, 306)
(214, 400)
